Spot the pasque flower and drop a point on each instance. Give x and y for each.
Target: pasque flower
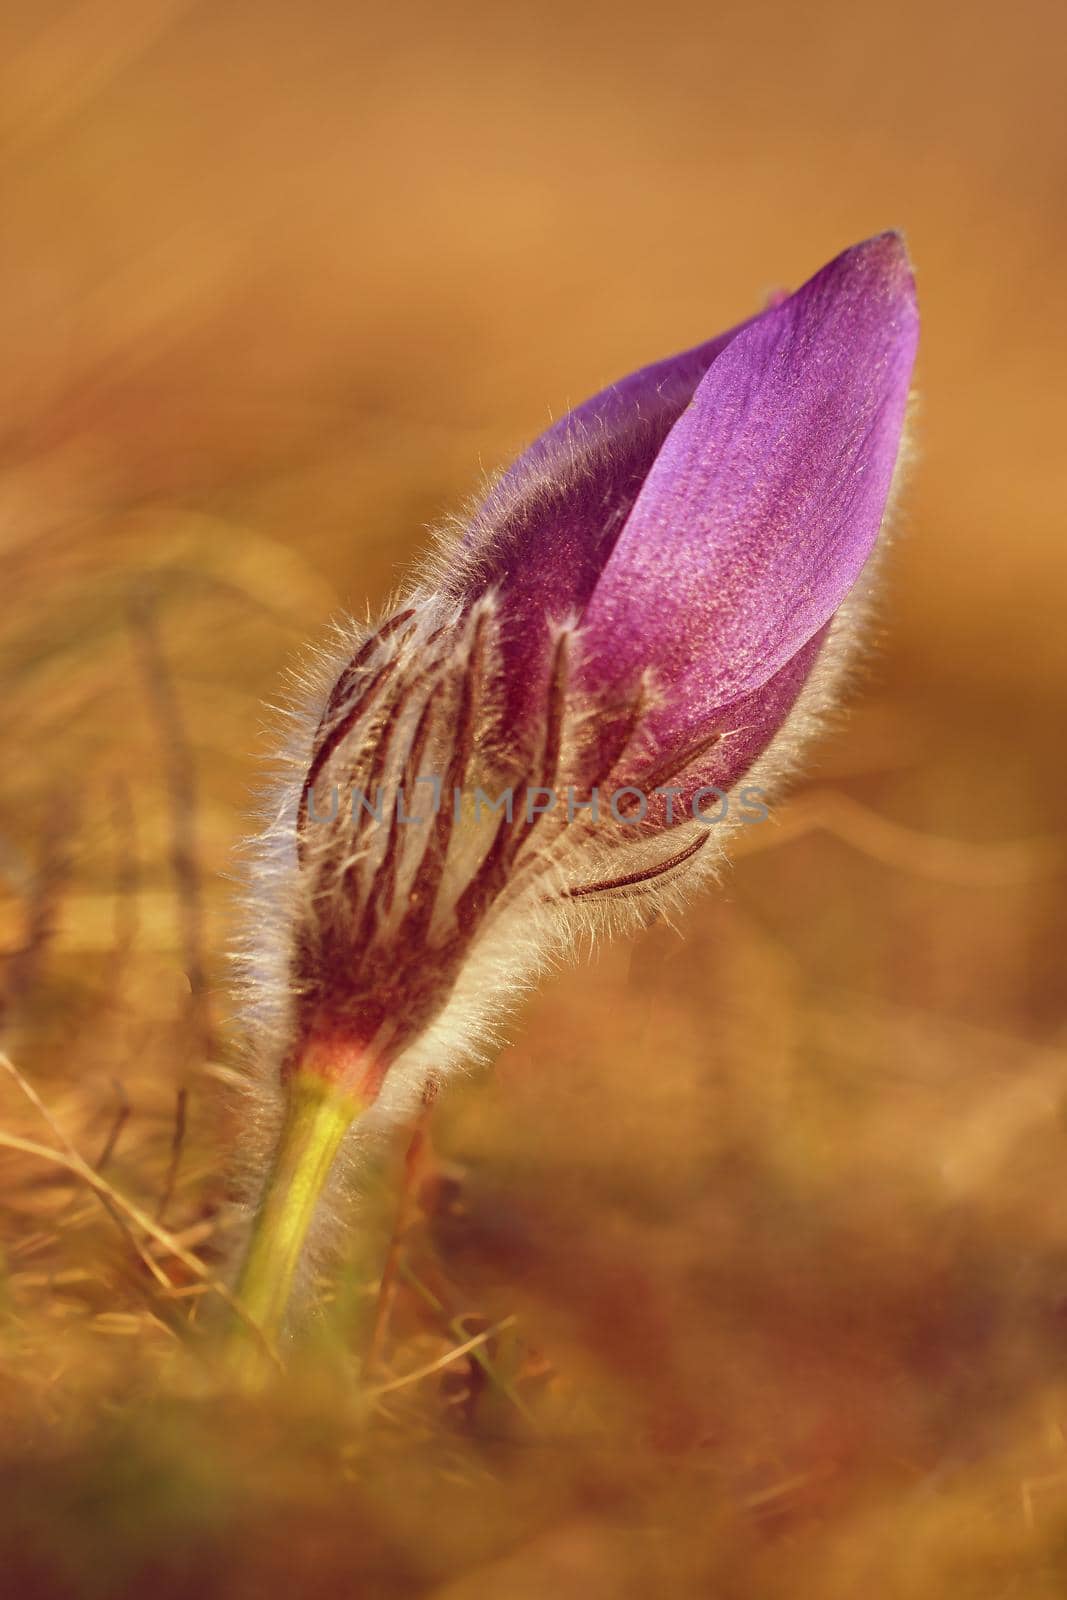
(651, 606)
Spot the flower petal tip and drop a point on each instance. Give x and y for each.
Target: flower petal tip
(880, 266)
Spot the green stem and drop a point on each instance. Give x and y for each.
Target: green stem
(319, 1115)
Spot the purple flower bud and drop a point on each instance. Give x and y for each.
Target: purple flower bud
(646, 609)
(630, 640)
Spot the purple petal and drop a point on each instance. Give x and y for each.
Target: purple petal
(745, 729)
(547, 527)
(767, 496)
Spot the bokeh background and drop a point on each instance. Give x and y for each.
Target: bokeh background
(763, 1218)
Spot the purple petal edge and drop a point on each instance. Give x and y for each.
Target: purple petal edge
(543, 533)
(767, 496)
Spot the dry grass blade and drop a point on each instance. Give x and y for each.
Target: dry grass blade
(104, 1194)
(997, 864)
(176, 1146)
(442, 1362)
(182, 791)
(128, 1211)
(42, 905)
(118, 1122)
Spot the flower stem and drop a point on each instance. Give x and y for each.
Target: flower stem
(319, 1115)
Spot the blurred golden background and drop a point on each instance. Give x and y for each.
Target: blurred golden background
(777, 1200)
